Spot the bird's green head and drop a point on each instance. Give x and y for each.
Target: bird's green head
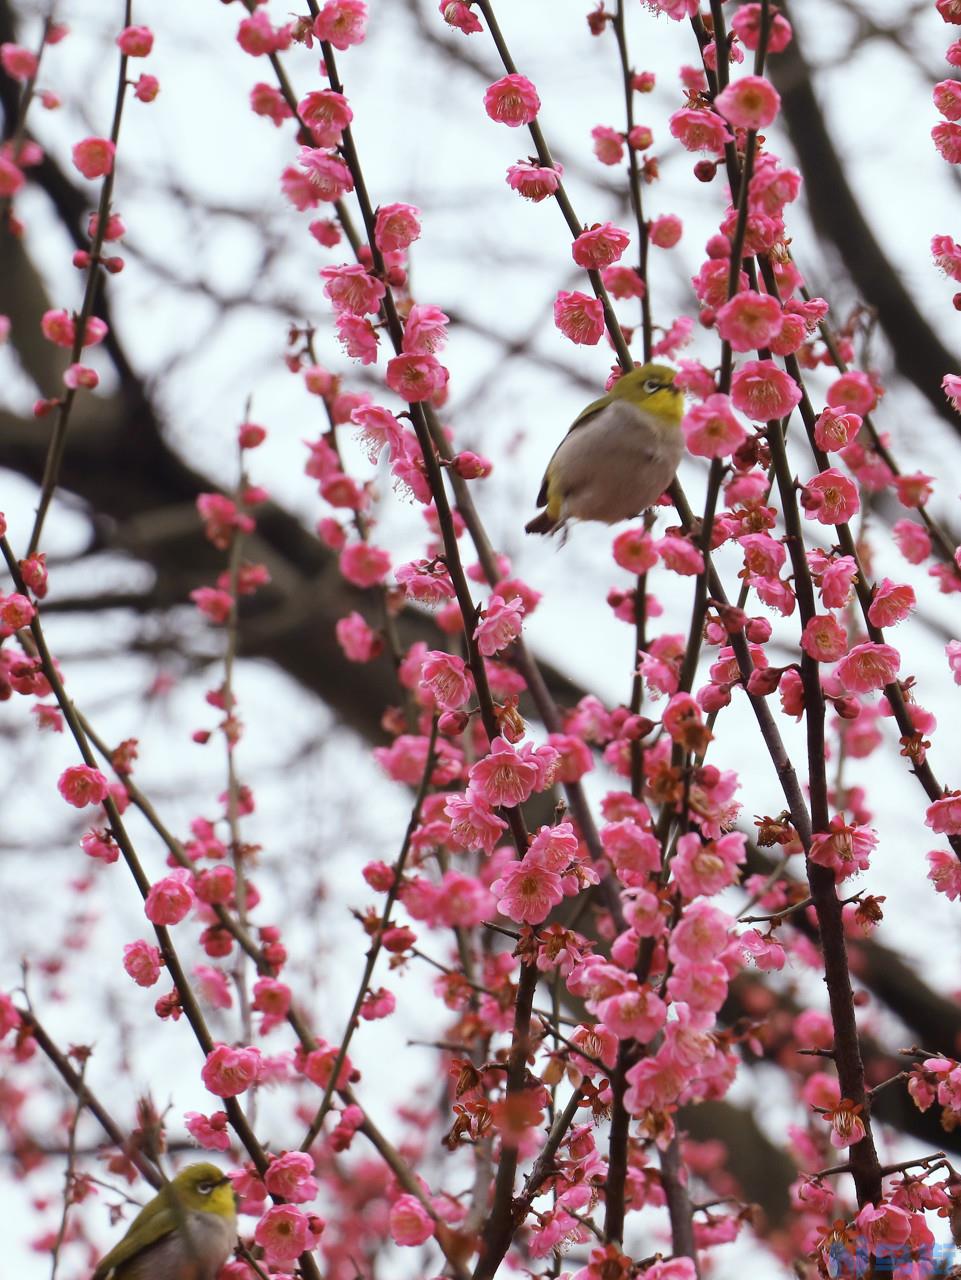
(205, 1189)
(651, 387)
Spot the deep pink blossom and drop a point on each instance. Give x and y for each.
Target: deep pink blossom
(94, 157)
(170, 899)
(81, 784)
(228, 1072)
(512, 100)
(135, 42)
(579, 317)
(831, 497)
(341, 23)
(601, 246)
(143, 962)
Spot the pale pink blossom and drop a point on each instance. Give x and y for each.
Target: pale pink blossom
(701, 933)
(503, 777)
(914, 541)
(666, 231)
(751, 102)
(326, 114)
(746, 24)
(846, 847)
(853, 392)
(425, 330)
(213, 986)
(363, 564)
(750, 320)
(291, 1175)
(358, 337)
(636, 1013)
(763, 391)
(528, 892)
(700, 130)
(500, 626)
(209, 1132)
(892, 603)
(711, 429)
(285, 1232)
(328, 177)
(512, 100)
(446, 678)
(868, 666)
(396, 227)
(472, 824)
(351, 289)
(533, 181)
(416, 377)
(677, 9)
(944, 815)
(624, 282)
(410, 1223)
(266, 100)
(608, 144)
(945, 873)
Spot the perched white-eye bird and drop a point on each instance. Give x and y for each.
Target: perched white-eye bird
(186, 1232)
(619, 455)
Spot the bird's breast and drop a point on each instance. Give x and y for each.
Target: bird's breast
(197, 1254)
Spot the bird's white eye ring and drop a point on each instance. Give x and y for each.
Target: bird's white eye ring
(651, 385)
(205, 1188)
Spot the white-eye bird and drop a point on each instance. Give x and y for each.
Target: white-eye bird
(619, 455)
(186, 1232)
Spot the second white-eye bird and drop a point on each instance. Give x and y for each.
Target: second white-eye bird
(619, 455)
(186, 1232)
